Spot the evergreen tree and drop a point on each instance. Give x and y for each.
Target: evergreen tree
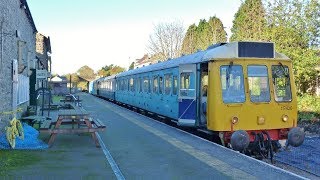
(190, 40)
(203, 35)
(249, 22)
(131, 66)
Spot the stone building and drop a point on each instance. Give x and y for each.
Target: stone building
(17, 54)
(41, 67)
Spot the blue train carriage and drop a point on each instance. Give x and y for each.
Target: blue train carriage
(94, 87)
(155, 88)
(107, 87)
(91, 89)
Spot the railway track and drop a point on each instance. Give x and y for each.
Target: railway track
(285, 165)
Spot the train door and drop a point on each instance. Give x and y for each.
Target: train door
(204, 80)
(187, 95)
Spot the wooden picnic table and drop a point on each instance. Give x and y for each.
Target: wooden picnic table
(72, 98)
(77, 116)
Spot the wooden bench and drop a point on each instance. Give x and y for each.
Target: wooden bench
(97, 123)
(72, 99)
(46, 125)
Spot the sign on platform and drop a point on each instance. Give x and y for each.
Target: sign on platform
(42, 74)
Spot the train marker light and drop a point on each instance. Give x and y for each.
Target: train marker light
(234, 120)
(285, 118)
(261, 120)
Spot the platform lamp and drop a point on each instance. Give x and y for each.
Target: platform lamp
(317, 80)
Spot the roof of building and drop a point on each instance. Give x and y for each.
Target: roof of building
(58, 79)
(24, 5)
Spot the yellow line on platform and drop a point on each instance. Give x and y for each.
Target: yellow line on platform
(202, 156)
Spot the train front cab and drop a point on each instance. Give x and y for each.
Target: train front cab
(255, 98)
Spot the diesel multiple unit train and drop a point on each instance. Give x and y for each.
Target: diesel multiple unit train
(241, 92)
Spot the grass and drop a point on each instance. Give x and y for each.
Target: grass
(56, 98)
(14, 159)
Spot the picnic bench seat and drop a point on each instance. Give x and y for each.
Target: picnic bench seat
(97, 123)
(45, 125)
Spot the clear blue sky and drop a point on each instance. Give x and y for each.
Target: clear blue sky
(103, 32)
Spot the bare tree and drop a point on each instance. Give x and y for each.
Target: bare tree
(166, 40)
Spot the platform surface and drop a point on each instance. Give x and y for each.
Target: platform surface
(142, 148)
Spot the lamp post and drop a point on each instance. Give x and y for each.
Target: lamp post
(70, 84)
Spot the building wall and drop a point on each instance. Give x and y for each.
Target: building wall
(13, 19)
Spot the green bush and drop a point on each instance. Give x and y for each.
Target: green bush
(308, 107)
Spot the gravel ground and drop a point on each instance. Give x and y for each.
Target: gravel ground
(303, 160)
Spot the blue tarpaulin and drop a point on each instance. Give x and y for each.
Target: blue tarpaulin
(30, 140)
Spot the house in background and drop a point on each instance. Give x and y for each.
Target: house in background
(144, 61)
(58, 85)
(17, 57)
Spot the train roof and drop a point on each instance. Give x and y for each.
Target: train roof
(219, 51)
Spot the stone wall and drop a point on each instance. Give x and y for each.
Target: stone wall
(15, 27)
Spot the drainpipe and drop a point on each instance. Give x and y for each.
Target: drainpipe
(1, 53)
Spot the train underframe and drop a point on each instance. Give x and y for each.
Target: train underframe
(262, 144)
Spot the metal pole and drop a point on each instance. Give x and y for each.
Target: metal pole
(70, 83)
(1, 53)
(42, 97)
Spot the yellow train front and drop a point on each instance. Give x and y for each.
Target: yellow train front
(251, 98)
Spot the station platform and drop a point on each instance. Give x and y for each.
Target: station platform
(142, 148)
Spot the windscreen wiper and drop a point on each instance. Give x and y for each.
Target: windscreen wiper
(284, 70)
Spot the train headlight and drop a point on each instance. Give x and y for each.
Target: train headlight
(285, 118)
(261, 120)
(234, 120)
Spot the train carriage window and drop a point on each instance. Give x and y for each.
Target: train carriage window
(149, 85)
(155, 84)
(175, 85)
(258, 83)
(131, 84)
(145, 84)
(281, 83)
(185, 80)
(187, 86)
(141, 83)
(168, 84)
(138, 84)
(160, 85)
(232, 84)
(122, 85)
